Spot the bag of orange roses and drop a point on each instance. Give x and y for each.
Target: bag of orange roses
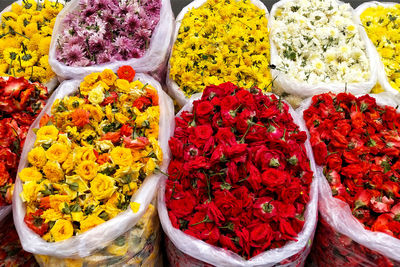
(90, 169)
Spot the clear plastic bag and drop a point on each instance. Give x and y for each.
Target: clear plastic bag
(153, 61)
(140, 246)
(186, 247)
(95, 238)
(382, 78)
(173, 88)
(52, 84)
(337, 214)
(303, 89)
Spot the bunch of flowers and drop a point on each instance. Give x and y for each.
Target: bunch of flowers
(25, 36)
(240, 177)
(332, 248)
(221, 41)
(358, 144)
(105, 31)
(91, 155)
(382, 26)
(20, 103)
(328, 48)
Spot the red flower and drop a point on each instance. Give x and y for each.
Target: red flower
(126, 73)
(182, 204)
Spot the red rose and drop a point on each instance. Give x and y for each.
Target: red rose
(334, 161)
(175, 170)
(227, 203)
(202, 109)
(227, 242)
(274, 178)
(182, 204)
(126, 130)
(203, 131)
(176, 147)
(261, 235)
(320, 153)
(286, 228)
(265, 208)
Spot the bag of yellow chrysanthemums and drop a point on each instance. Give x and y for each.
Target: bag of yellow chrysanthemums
(25, 36)
(381, 22)
(86, 181)
(216, 42)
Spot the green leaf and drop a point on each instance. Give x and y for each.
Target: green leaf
(74, 186)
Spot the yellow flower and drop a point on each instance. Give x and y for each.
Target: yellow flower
(68, 164)
(58, 152)
(29, 191)
(37, 157)
(121, 156)
(102, 186)
(108, 76)
(48, 132)
(57, 200)
(150, 166)
(95, 111)
(30, 174)
(121, 118)
(87, 170)
(77, 180)
(122, 85)
(51, 215)
(84, 153)
(129, 189)
(77, 216)
(90, 222)
(44, 45)
(135, 206)
(62, 230)
(96, 95)
(53, 171)
(109, 113)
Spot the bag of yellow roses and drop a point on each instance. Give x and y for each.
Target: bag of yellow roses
(376, 18)
(117, 33)
(330, 52)
(216, 42)
(26, 52)
(84, 214)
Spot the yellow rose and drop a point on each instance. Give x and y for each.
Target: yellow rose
(108, 76)
(77, 216)
(53, 171)
(129, 189)
(51, 215)
(150, 166)
(68, 164)
(63, 139)
(77, 180)
(102, 186)
(57, 152)
(84, 153)
(96, 95)
(37, 157)
(29, 191)
(87, 170)
(62, 230)
(109, 113)
(90, 222)
(95, 111)
(122, 85)
(57, 200)
(48, 132)
(30, 174)
(121, 156)
(121, 118)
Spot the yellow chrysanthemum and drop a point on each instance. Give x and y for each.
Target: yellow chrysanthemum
(37, 157)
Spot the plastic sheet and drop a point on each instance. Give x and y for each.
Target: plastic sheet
(303, 89)
(173, 88)
(187, 247)
(153, 60)
(337, 214)
(93, 239)
(382, 78)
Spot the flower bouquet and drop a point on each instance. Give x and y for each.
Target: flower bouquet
(216, 42)
(356, 143)
(240, 188)
(20, 103)
(329, 51)
(92, 35)
(91, 171)
(25, 36)
(380, 21)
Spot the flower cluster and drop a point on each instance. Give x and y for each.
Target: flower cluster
(328, 48)
(240, 177)
(222, 41)
(91, 155)
(20, 103)
(332, 248)
(103, 31)
(382, 26)
(25, 36)
(358, 144)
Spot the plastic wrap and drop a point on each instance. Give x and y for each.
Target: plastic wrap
(382, 78)
(337, 214)
(303, 89)
(153, 61)
(188, 247)
(173, 88)
(96, 238)
(140, 246)
(52, 84)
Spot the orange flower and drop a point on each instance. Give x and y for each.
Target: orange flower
(44, 120)
(112, 136)
(126, 73)
(153, 95)
(103, 158)
(80, 117)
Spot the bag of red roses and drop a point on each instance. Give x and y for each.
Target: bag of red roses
(356, 146)
(240, 188)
